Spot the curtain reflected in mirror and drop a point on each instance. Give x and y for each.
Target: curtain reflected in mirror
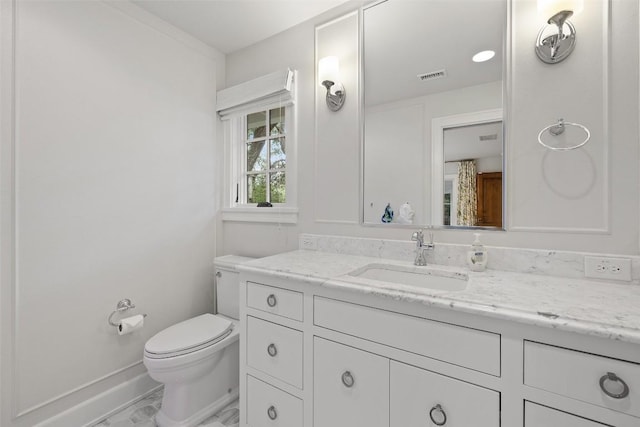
(467, 193)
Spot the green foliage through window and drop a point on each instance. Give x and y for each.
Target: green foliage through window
(266, 156)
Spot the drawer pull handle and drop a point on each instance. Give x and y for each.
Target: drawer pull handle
(610, 376)
(272, 413)
(271, 300)
(218, 274)
(347, 379)
(437, 415)
(272, 350)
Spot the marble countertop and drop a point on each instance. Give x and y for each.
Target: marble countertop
(597, 308)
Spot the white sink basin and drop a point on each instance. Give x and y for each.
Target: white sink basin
(420, 277)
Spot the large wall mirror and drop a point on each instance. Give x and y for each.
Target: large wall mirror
(433, 121)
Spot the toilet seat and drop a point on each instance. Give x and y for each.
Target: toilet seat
(188, 336)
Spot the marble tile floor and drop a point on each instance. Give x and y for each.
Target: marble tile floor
(143, 412)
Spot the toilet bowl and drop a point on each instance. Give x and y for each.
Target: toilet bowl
(197, 360)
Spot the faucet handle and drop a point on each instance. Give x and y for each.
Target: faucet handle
(418, 236)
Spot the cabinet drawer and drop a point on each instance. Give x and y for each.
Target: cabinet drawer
(470, 348)
(351, 386)
(417, 395)
(281, 302)
(268, 406)
(542, 416)
(275, 350)
(579, 375)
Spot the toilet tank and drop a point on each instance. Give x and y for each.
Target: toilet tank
(227, 284)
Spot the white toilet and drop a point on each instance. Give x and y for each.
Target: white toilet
(197, 359)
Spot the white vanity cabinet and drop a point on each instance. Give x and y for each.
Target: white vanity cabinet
(423, 398)
(542, 416)
(599, 380)
(350, 387)
(275, 350)
(272, 356)
(274, 300)
(357, 388)
(467, 347)
(270, 406)
(315, 356)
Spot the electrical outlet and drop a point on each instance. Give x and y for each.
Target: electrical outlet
(607, 268)
(308, 242)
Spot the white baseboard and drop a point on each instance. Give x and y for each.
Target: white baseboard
(99, 407)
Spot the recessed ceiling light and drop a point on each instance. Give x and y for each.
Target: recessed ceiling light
(485, 55)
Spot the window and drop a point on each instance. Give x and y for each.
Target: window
(264, 175)
(450, 200)
(260, 145)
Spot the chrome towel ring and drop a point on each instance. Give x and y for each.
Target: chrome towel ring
(558, 129)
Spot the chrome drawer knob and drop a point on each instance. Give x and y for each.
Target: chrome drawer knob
(272, 413)
(272, 350)
(437, 415)
(622, 389)
(218, 274)
(271, 300)
(347, 379)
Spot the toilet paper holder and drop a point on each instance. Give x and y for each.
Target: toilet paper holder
(123, 305)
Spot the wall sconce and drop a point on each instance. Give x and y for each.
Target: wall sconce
(556, 41)
(328, 74)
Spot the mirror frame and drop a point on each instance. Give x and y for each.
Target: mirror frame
(491, 116)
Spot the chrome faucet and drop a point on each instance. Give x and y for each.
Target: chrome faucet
(421, 246)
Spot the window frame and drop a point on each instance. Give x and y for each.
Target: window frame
(235, 208)
(268, 171)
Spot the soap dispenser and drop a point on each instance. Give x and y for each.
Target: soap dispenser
(477, 256)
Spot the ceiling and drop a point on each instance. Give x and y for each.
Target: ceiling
(404, 39)
(230, 25)
(464, 142)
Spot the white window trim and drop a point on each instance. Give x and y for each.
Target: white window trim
(279, 215)
(281, 89)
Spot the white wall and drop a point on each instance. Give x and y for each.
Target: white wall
(569, 191)
(337, 157)
(110, 194)
(490, 164)
(597, 85)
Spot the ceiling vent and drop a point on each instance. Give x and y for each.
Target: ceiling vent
(489, 137)
(432, 75)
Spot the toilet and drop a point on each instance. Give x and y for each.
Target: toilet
(197, 359)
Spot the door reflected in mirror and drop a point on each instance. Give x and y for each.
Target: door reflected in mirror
(422, 93)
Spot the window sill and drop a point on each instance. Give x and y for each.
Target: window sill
(279, 215)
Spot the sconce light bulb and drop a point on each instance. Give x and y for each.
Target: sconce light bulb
(328, 70)
(550, 8)
(329, 77)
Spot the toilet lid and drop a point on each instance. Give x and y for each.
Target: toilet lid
(191, 334)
